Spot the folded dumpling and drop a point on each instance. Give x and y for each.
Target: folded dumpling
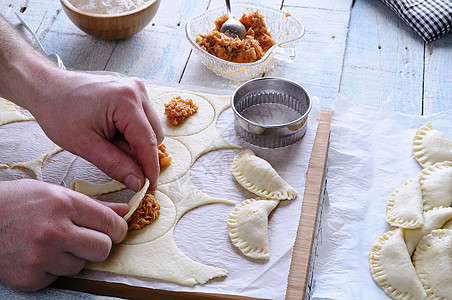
(392, 269)
(259, 177)
(436, 185)
(404, 207)
(433, 263)
(248, 227)
(431, 146)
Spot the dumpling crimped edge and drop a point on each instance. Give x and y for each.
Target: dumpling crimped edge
(248, 174)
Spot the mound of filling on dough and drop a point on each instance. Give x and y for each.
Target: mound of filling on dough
(147, 212)
(164, 158)
(252, 48)
(178, 109)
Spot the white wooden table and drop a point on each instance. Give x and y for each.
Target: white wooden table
(358, 49)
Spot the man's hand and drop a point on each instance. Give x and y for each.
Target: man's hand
(105, 119)
(48, 231)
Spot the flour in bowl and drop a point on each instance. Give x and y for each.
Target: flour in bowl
(107, 6)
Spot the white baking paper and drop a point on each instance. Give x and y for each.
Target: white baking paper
(202, 233)
(370, 156)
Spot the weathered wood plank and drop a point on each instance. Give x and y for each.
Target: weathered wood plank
(319, 54)
(160, 51)
(276, 4)
(325, 4)
(438, 76)
(384, 60)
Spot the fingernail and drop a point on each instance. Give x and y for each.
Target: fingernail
(133, 182)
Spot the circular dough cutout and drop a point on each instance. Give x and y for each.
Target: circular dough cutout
(159, 227)
(193, 124)
(180, 163)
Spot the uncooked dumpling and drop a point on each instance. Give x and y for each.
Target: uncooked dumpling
(248, 227)
(433, 263)
(404, 207)
(433, 219)
(392, 269)
(259, 177)
(431, 146)
(436, 185)
(447, 225)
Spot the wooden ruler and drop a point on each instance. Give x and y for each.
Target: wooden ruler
(301, 257)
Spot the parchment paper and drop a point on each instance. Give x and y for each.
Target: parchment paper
(370, 156)
(202, 233)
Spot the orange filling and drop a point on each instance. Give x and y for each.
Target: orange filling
(252, 48)
(178, 109)
(164, 158)
(146, 213)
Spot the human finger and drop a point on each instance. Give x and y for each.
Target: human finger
(154, 120)
(144, 141)
(87, 244)
(114, 162)
(93, 215)
(65, 264)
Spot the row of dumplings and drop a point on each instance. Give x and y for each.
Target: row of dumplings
(248, 222)
(414, 259)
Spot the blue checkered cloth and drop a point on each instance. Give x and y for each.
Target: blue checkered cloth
(431, 19)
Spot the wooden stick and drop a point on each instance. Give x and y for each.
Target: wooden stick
(301, 257)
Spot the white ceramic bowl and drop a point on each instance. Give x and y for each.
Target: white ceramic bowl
(285, 30)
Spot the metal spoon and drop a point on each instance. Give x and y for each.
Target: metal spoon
(52, 56)
(232, 27)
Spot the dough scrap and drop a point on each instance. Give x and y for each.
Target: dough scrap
(433, 219)
(436, 185)
(34, 165)
(9, 113)
(92, 189)
(248, 227)
(160, 258)
(205, 141)
(392, 269)
(186, 196)
(433, 263)
(259, 177)
(431, 146)
(404, 207)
